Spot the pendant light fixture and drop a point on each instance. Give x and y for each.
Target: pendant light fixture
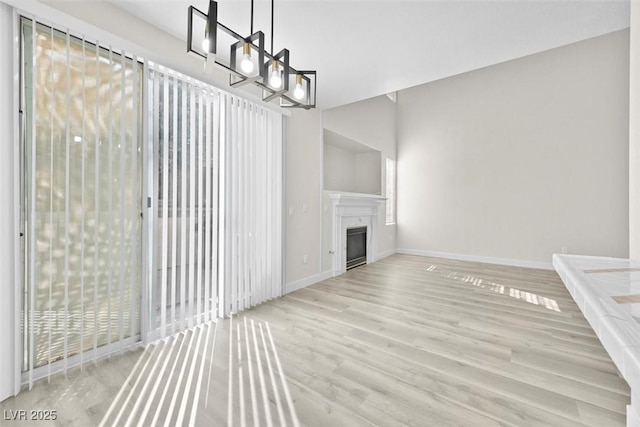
(248, 62)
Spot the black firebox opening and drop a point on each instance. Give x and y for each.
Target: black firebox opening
(356, 246)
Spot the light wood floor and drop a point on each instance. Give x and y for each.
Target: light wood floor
(404, 341)
(427, 341)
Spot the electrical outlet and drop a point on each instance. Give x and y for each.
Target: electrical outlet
(564, 249)
(305, 259)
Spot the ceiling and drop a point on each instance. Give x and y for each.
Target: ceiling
(362, 49)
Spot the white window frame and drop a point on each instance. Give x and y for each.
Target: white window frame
(390, 189)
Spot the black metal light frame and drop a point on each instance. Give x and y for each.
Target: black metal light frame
(237, 78)
(265, 59)
(309, 82)
(210, 31)
(282, 58)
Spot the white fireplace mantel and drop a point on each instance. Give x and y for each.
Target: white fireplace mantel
(353, 210)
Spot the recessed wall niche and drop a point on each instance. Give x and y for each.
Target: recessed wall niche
(350, 166)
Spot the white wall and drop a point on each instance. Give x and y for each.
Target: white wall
(303, 194)
(634, 133)
(9, 379)
(371, 122)
(520, 159)
(368, 178)
(351, 172)
(339, 169)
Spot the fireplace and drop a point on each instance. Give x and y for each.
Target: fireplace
(356, 246)
(354, 211)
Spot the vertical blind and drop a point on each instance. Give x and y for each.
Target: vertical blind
(186, 144)
(218, 181)
(253, 205)
(215, 233)
(82, 185)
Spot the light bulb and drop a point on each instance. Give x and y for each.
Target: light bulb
(275, 80)
(205, 45)
(246, 64)
(298, 92)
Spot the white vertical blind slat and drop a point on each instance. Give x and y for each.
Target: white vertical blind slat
(200, 221)
(270, 202)
(217, 206)
(174, 205)
(242, 208)
(208, 211)
(96, 240)
(109, 191)
(242, 284)
(183, 206)
(66, 206)
(148, 219)
(263, 203)
(233, 217)
(279, 169)
(122, 144)
(249, 212)
(256, 292)
(276, 207)
(82, 191)
(256, 196)
(164, 182)
(155, 250)
(192, 204)
(264, 187)
(222, 257)
(133, 302)
(50, 316)
(32, 217)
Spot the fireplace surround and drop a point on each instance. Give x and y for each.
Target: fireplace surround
(352, 210)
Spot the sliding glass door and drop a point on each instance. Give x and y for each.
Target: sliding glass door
(82, 185)
(103, 131)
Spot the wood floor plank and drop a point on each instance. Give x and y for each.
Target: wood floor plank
(570, 369)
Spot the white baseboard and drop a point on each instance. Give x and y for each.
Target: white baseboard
(384, 254)
(307, 281)
(476, 258)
